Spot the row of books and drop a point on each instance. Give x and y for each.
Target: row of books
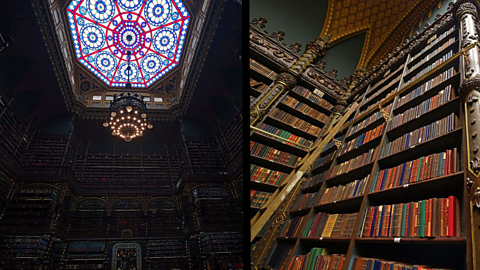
(363, 110)
(432, 54)
(305, 201)
(267, 176)
(367, 121)
(430, 104)
(421, 135)
(314, 260)
(420, 90)
(423, 168)
(314, 180)
(381, 91)
(433, 65)
(362, 139)
(259, 86)
(360, 263)
(447, 74)
(342, 192)
(386, 76)
(330, 225)
(292, 226)
(295, 122)
(426, 218)
(312, 97)
(256, 66)
(280, 254)
(352, 164)
(304, 108)
(332, 143)
(284, 134)
(434, 40)
(270, 153)
(325, 159)
(259, 198)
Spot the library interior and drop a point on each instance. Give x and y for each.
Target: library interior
(121, 134)
(364, 145)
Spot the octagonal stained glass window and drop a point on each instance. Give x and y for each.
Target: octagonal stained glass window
(104, 30)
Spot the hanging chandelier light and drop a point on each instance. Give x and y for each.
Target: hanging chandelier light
(128, 112)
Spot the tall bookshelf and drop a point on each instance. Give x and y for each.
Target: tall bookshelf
(393, 188)
(280, 140)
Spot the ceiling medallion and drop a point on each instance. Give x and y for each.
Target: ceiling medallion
(128, 113)
(103, 31)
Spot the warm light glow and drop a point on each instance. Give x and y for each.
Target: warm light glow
(129, 108)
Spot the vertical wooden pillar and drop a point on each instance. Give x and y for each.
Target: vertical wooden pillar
(467, 15)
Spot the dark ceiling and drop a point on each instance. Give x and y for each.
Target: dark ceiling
(27, 73)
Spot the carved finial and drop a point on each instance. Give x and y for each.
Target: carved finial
(345, 81)
(438, 16)
(260, 23)
(279, 36)
(333, 73)
(427, 24)
(450, 5)
(322, 64)
(296, 46)
(319, 46)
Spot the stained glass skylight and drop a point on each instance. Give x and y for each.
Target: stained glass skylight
(104, 30)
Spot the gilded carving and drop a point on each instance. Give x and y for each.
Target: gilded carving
(270, 48)
(467, 7)
(260, 23)
(287, 79)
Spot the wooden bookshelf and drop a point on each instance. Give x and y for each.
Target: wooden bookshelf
(424, 125)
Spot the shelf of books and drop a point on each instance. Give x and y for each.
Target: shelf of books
(31, 210)
(128, 215)
(219, 230)
(167, 254)
(298, 118)
(164, 218)
(89, 220)
(23, 252)
(44, 155)
(107, 171)
(390, 190)
(85, 255)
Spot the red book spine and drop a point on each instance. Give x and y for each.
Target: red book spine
(451, 217)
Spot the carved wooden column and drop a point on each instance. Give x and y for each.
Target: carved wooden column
(288, 79)
(467, 15)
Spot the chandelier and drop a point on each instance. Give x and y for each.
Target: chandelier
(128, 112)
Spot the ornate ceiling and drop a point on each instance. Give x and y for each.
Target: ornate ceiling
(88, 39)
(385, 23)
(104, 30)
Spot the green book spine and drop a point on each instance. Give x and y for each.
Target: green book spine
(313, 256)
(423, 205)
(420, 163)
(305, 232)
(404, 216)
